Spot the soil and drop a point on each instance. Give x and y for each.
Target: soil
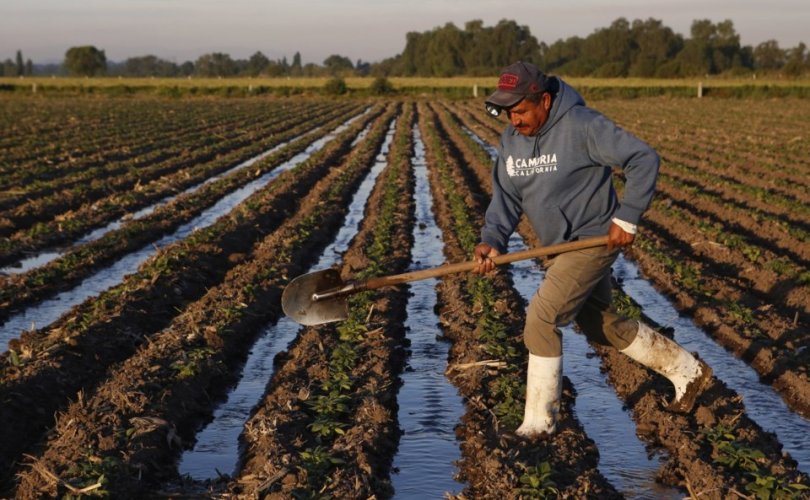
(120, 385)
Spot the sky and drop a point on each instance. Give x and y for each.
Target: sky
(371, 30)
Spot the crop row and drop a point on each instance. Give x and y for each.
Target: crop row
(482, 316)
(768, 132)
(65, 227)
(81, 260)
(327, 424)
(689, 457)
(44, 368)
(742, 274)
(105, 168)
(124, 438)
(134, 183)
(107, 131)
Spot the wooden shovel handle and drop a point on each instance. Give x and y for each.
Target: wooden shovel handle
(435, 272)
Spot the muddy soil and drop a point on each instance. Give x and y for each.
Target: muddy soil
(167, 344)
(64, 217)
(176, 375)
(80, 261)
(692, 463)
(280, 445)
(109, 328)
(492, 464)
(770, 336)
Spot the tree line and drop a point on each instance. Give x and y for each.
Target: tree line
(641, 48)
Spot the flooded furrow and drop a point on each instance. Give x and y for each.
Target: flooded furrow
(429, 406)
(42, 258)
(623, 459)
(217, 447)
(45, 313)
(763, 404)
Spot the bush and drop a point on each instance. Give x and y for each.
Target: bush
(335, 86)
(381, 86)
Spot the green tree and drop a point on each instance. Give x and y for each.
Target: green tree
(85, 60)
(768, 56)
(563, 56)
(9, 68)
(20, 64)
(797, 61)
(295, 69)
(381, 86)
(608, 51)
(362, 68)
(713, 48)
(215, 65)
(257, 64)
(653, 45)
(149, 65)
(337, 65)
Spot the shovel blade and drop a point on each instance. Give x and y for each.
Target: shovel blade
(297, 302)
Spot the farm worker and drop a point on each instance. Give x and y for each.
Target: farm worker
(554, 164)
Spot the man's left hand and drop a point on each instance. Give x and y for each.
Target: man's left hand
(618, 238)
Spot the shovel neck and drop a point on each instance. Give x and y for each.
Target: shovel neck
(347, 289)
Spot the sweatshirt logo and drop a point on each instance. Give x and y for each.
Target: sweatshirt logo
(516, 167)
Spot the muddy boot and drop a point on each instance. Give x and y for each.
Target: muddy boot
(543, 389)
(689, 375)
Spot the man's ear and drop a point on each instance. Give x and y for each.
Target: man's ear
(547, 101)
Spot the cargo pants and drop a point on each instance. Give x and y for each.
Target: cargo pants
(577, 286)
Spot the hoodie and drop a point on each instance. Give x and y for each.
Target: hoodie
(561, 177)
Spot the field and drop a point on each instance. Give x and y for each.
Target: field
(145, 243)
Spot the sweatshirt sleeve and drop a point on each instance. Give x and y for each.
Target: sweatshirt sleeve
(610, 145)
(503, 213)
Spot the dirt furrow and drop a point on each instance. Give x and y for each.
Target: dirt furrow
(63, 273)
(693, 463)
(327, 423)
(483, 318)
(43, 369)
(184, 369)
(90, 212)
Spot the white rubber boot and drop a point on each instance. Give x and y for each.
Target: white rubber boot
(688, 374)
(543, 390)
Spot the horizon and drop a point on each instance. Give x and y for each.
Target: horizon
(179, 30)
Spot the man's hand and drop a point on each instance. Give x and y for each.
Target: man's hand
(483, 254)
(618, 238)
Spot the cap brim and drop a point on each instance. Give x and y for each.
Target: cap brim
(504, 99)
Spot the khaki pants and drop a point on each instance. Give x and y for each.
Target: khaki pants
(576, 287)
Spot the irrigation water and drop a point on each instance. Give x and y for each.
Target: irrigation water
(429, 406)
(46, 312)
(217, 446)
(42, 258)
(623, 459)
(763, 404)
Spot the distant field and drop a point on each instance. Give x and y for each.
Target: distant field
(398, 82)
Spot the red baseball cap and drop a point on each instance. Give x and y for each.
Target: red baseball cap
(516, 82)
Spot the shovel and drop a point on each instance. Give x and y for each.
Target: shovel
(321, 296)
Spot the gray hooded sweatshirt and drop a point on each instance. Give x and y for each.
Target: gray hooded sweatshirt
(561, 177)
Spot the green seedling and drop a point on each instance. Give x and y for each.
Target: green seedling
(770, 487)
(537, 482)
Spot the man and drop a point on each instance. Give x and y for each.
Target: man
(554, 165)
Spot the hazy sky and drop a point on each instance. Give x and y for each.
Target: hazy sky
(371, 30)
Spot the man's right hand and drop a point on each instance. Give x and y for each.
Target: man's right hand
(483, 254)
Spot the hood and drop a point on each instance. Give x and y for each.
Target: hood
(564, 98)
